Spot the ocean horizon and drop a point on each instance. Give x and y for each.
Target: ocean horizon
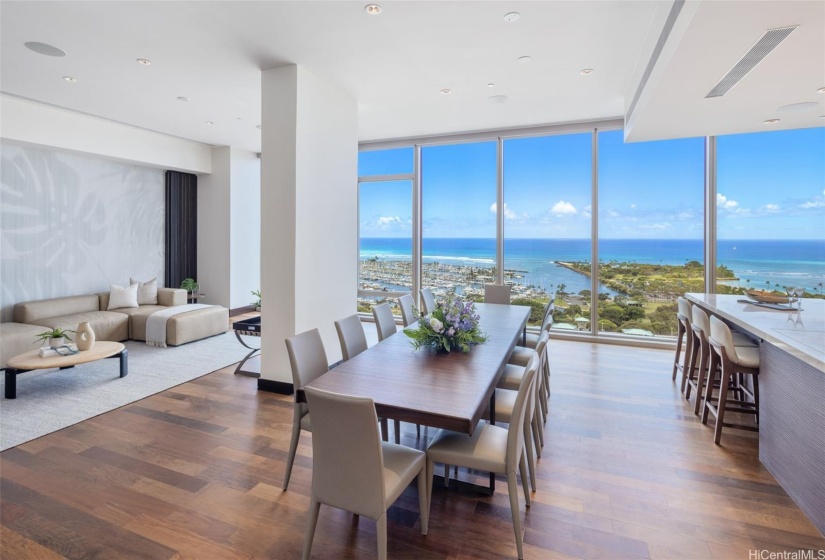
(757, 263)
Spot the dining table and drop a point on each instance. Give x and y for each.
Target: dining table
(442, 390)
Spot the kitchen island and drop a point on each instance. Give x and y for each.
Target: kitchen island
(792, 391)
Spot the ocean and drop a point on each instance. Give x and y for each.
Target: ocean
(761, 262)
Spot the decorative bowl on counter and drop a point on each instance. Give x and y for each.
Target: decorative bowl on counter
(763, 296)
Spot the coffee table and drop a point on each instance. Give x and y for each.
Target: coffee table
(31, 361)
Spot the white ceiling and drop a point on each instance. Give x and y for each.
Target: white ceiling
(396, 63)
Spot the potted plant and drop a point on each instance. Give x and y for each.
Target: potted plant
(257, 302)
(190, 285)
(56, 337)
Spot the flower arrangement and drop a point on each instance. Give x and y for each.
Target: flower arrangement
(453, 324)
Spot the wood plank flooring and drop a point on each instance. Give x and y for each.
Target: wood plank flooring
(196, 472)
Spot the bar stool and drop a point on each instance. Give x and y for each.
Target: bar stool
(683, 334)
(735, 361)
(700, 353)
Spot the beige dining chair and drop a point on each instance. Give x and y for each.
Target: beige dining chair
(546, 322)
(496, 293)
(384, 321)
(406, 303)
(308, 361)
(352, 469)
(427, 301)
(491, 448)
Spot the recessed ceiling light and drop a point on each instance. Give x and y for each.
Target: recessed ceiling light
(209, 122)
(498, 99)
(511, 17)
(491, 85)
(372, 9)
(182, 98)
(446, 91)
(524, 59)
(821, 90)
(586, 71)
(70, 79)
(144, 61)
(771, 121)
(798, 107)
(43, 48)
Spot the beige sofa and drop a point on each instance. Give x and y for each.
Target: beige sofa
(34, 317)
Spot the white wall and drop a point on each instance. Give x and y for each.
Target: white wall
(73, 224)
(309, 213)
(214, 228)
(229, 228)
(34, 123)
(245, 227)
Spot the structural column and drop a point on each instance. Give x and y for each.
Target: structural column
(309, 209)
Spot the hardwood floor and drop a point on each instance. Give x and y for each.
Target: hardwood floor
(195, 472)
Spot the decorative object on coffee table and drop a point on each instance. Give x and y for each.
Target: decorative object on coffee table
(55, 337)
(85, 336)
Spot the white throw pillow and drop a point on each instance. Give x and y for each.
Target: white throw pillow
(147, 293)
(120, 297)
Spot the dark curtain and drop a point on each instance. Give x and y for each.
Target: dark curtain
(181, 227)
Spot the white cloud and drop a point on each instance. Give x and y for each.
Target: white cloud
(586, 211)
(685, 215)
(612, 214)
(633, 205)
(724, 202)
(562, 208)
(509, 214)
(813, 204)
(391, 222)
(771, 208)
(655, 226)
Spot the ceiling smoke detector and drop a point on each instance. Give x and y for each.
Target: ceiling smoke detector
(446, 91)
(43, 48)
(510, 17)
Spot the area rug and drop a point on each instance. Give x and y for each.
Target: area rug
(49, 400)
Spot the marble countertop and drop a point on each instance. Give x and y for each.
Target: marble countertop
(800, 333)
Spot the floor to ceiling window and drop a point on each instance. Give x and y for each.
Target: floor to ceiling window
(651, 231)
(770, 206)
(385, 198)
(547, 218)
(458, 215)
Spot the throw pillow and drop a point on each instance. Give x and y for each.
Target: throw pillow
(120, 297)
(147, 293)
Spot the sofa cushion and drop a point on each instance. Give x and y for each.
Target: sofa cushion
(142, 310)
(123, 297)
(147, 293)
(16, 338)
(108, 325)
(171, 296)
(34, 311)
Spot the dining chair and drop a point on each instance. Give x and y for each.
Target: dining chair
(491, 448)
(546, 322)
(352, 469)
(496, 293)
(406, 303)
(384, 321)
(683, 331)
(511, 379)
(427, 301)
(308, 361)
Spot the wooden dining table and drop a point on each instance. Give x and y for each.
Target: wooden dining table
(450, 390)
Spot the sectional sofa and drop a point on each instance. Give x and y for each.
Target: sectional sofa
(34, 317)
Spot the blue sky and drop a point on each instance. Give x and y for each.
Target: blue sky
(770, 186)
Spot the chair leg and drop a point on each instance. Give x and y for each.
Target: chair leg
(512, 489)
(446, 476)
(531, 460)
(756, 396)
(430, 474)
(526, 459)
(293, 445)
(720, 408)
(714, 363)
(687, 376)
(314, 507)
(700, 380)
(680, 330)
(397, 426)
(423, 500)
(418, 430)
(538, 440)
(381, 533)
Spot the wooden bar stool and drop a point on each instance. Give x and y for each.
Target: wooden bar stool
(683, 334)
(735, 361)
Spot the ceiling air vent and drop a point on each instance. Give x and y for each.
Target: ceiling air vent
(758, 52)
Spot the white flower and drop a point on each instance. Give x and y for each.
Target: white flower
(437, 325)
(451, 332)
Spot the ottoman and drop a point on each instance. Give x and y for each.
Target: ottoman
(186, 327)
